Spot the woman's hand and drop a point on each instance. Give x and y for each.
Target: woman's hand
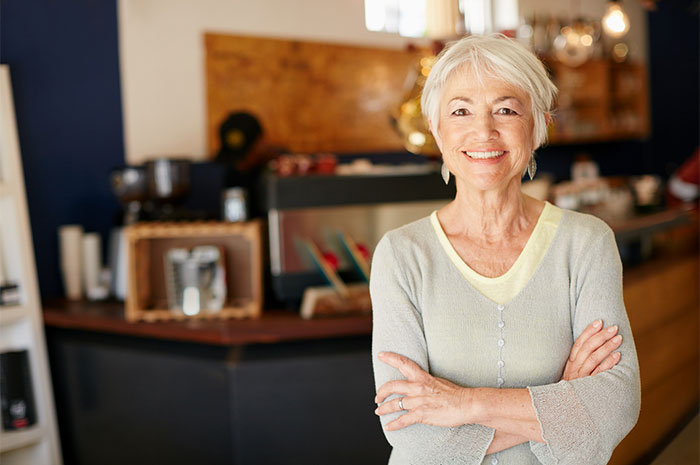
(591, 346)
(426, 398)
(593, 351)
(436, 401)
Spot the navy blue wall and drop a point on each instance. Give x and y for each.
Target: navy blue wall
(674, 38)
(65, 69)
(64, 63)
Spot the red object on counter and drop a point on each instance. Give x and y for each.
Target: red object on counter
(326, 163)
(684, 185)
(331, 259)
(301, 164)
(363, 251)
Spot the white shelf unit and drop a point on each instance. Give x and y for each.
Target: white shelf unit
(21, 326)
(12, 314)
(13, 440)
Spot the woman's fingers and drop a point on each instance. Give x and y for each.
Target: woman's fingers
(590, 330)
(424, 398)
(402, 387)
(407, 419)
(608, 363)
(600, 355)
(416, 382)
(403, 404)
(590, 350)
(392, 406)
(594, 343)
(444, 409)
(408, 368)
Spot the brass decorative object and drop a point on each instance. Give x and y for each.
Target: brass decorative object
(408, 119)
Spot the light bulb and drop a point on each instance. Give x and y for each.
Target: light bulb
(615, 22)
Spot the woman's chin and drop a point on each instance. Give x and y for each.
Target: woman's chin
(488, 181)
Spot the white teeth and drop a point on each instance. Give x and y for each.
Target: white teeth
(481, 155)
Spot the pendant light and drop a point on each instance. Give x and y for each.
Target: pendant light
(615, 21)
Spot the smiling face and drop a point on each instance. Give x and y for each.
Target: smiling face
(485, 130)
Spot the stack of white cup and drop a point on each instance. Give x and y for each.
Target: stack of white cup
(81, 263)
(70, 237)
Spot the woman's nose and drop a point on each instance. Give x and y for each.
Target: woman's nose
(484, 127)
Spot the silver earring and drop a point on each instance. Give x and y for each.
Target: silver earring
(531, 167)
(445, 173)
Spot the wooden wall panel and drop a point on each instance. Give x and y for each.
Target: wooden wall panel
(668, 347)
(310, 97)
(671, 291)
(663, 304)
(662, 409)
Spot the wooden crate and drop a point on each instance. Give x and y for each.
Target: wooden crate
(147, 244)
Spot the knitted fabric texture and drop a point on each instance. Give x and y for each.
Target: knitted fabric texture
(425, 309)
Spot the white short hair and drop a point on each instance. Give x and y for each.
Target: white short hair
(497, 56)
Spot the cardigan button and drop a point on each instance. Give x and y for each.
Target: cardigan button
(501, 306)
(501, 342)
(500, 381)
(501, 324)
(501, 364)
(494, 461)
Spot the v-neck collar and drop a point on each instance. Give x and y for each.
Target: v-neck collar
(472, 275)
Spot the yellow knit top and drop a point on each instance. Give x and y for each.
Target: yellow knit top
(502, 289)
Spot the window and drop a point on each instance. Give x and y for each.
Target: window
(440, 18)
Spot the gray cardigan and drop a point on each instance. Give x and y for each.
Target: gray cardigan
(425, 309)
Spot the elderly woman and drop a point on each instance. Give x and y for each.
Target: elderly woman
(500, 333)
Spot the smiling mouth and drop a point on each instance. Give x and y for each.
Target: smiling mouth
(484, 155)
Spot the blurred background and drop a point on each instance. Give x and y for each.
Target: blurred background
(289, 134)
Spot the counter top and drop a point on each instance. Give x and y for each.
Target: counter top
(277, 326)
(274, 326)
(632, 228)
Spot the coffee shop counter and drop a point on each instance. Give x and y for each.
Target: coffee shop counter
(275, 326)
(276, 390)
(281, 389)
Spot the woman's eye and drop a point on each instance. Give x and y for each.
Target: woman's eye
(460, 112)
(506, 111)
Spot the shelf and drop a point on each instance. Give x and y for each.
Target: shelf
(602, 92)
(19, 324)
(12, 314)
(602, 136)
(10, 440)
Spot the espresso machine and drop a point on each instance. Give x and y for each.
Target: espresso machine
(154, 191)
(322, 209)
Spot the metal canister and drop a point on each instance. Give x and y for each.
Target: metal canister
(234, 204)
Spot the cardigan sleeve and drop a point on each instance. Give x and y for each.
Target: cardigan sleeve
(583, 420)
(398, 327)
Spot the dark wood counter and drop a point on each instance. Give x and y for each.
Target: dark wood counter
(219, 392)
(273, 327)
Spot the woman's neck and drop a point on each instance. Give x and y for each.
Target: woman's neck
(492, 215)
